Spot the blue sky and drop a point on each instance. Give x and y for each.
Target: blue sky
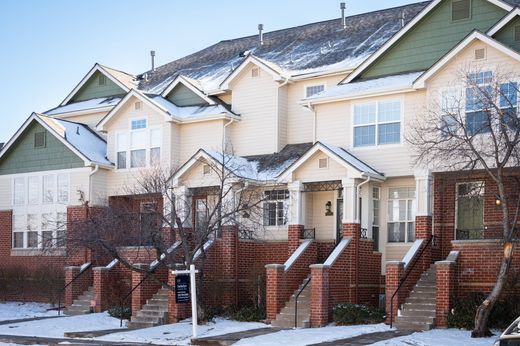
(48, 46)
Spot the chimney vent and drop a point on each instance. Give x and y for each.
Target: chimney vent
(401, 18)
(261, 33)
(343, 7)
(152, 55)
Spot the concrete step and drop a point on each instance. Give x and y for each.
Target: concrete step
(416, 319)
(421, 299)
(413, 326)
(138, 325)
(290, 324)
(152, 313)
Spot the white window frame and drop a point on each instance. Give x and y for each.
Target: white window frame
(310, 85)
(413, 216)
(286, 205)
(377, 123)
(148, 142)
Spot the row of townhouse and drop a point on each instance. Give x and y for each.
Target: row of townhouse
(320, 110)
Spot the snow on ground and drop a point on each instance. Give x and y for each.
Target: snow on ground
(56, 327)
(180, 333)
(300, 337)
(439, 337)
(19, 310)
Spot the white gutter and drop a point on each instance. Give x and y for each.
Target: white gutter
(224, 137)
(358, 188)
(356, 96)
(94, 171)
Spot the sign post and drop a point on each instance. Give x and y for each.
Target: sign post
(182, 292)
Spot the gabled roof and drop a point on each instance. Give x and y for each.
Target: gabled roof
(475, 35)
(504, 21)
(340, 155)
(259, 168)
(79, 138)
(100, 104)
(317, 47)
(122, 79)
(191, 84)
(506, 5)
(170, 111)
(275, 71)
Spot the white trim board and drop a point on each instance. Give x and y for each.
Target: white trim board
(503, 22)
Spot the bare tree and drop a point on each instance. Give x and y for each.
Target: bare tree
(475, 129)
(233, 196)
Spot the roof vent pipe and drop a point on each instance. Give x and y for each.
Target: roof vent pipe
(401, 18)
(343, 7)
(152, 55)
(261, 33)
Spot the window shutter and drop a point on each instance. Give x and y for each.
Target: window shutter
(460, 9)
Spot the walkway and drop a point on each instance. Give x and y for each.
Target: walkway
(366, 339)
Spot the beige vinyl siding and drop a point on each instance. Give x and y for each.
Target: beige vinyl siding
(300, 119)
(98, 188)
(201, 135)
(256, 100)
(283, 96)
(226, 98)
(310, 171)
(324, 225)
(91, 119)
(195, 176)
(119, 181)
(79, 181)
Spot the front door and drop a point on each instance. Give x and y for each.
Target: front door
(339, 220)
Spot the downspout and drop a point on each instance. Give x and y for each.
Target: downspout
(358, 188)
(94, 171)
(246, 185)
(224, 134)
(313, 110)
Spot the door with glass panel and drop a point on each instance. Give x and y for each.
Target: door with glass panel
(200, 213)
(401, 215)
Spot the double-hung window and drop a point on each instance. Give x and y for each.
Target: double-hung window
(275, 207)
(508, 100)
(478, 98)
(137, 146)
(377, 123)
(401, 215)
(19, 191)
(122, 147)
(155, 147)
(449, 112)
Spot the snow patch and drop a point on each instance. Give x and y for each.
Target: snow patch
(296, 254)
(191, 112)
(438, 337)
(19, 310)
(85, 105)
(338, 250)
(412, 251)
(350, 159)
(206, 246)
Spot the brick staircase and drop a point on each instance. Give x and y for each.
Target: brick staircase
(153, 313)
(418, 312)
(81, 305)
(285, 319)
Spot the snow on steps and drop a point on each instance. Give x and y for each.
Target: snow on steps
(285, 319)
(153, 313)
(418, 313)
(81, 305)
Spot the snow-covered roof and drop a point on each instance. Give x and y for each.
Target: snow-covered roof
(351, 159)
(129, 80)
(367, 87)
(85, 105)
(187, 113)
(317, 47)
(81, 137)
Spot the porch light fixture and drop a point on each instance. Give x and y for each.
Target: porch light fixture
(328, 209)
(498, 201)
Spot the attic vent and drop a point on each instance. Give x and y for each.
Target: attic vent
(206, 169)
(102, 80)
(137, 105)
(480, 54)
(255, 72)
(460, 9)
(323, 163)
(517, 33)
(39, 140)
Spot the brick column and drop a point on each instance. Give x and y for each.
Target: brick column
(275, 286)
(176, 312)
(394, 271)
(101, 288)
(75, 216)
(80, 285)
(446, 275)
(295, 233)
(423, 227)
(320, 311)
(6, 233)
(144, 291)
(353, 230)
(229, 265)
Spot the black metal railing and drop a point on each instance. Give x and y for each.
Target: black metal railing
(125, 298)
(407, 273)
(363, 233)
(83, 269)
(296, 303)
(309, 233)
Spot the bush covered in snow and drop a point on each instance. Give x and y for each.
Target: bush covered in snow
(348, 314)
(463, 312)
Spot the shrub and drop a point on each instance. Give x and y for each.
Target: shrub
(249, 313)
(464, 309)
(349, 314)
(117, 311)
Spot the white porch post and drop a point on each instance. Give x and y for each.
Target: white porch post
(228, 204)
(297, 205)
(350, 214)
(182, 205)
(423, 190)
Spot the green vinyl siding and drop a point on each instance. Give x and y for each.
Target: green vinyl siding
(23, 157)
(91, 89)
(183, 96)
(506, 35)
(431, 38)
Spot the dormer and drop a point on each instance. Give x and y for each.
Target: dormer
(184, 92)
